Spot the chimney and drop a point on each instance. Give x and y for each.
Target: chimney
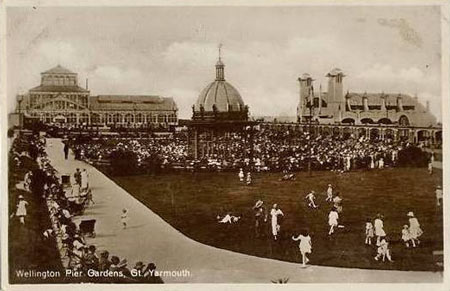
(399, 103)
(87, 84)
(320, 98)
(365, 102)
(348, 106)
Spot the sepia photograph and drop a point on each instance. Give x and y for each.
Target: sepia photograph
(271, 143)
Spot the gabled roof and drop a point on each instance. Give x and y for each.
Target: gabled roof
(59, 70)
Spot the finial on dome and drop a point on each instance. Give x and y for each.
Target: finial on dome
(220, 72)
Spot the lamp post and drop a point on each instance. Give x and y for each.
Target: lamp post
(311, 110)
(19, 103)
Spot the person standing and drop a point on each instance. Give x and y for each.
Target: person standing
(260, 216)
(305, 245)
(249, 178)
(124, 218)
(379, 228)
(369, 231)
(337, 201)
(381, 163)
(84, 180)
(77, 177)
(439, 195)
(329, 193)
(406, 236)
(66, 150)
(275, 212)
(241, 175)
(414, 229)
(21, 210)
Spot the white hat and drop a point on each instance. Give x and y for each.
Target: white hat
(20, 197)
(258, 204)
(329, 185)
(410, 213)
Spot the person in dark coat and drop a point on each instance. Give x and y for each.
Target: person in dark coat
(66, 151)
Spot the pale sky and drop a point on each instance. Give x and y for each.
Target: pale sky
(171, 51)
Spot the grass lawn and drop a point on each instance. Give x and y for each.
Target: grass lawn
(191, 202)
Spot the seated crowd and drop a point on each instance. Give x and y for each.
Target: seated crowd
(63, 205)
(270, 150)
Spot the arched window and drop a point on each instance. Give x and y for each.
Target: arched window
(139, 118)
(403, 121)
(129, 118)
(117, 118)
(385, 121)
(366, 121)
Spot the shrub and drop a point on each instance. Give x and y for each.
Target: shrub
(123, 163)
(412, 157)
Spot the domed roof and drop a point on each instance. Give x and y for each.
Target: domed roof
(335, 71)
(221, 94)
(305, 76)
(59, 70)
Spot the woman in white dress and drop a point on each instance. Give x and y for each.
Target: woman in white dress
(21, 210)
(333, 217)
(275, 226)
(241, 175)
(379, 228)
(414, 229)
(304, 246)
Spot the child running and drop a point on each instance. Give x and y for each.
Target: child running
(304, 245)
(311, 197)
(333, 217)
(124, 218)
(383, 250)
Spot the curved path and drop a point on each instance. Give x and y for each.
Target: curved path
(150, 239)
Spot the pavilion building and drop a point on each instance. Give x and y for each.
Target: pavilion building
(60, 100)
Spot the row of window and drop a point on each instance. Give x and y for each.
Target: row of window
(108, 118)
(59, 81)
(130, 118)
(41, 99)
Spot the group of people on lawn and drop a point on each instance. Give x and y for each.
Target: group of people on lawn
(374, 230)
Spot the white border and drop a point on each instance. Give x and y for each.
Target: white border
(445, 40)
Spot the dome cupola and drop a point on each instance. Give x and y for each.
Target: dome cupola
(220, 100)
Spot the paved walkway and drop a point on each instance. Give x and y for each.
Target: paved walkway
(150, 239)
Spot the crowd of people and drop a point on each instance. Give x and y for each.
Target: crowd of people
(262, 150)
(156, 152)
(65, 199)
